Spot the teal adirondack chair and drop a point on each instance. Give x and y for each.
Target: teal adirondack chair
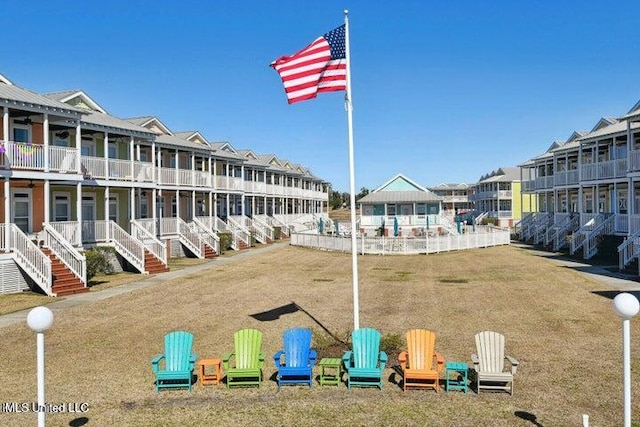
(248, 359)
(299, 358)
(178, 361)
(364, 365)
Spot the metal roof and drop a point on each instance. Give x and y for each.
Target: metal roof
(400, 197)
(17, 97)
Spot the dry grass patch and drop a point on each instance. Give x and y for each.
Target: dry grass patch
(11, 303)
(566, 337)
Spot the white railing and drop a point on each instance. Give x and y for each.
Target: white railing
(274, 221)
(24, 155)
(63, 159)
(143, 171)
(68, 230)
(168, 226)
(67, 254)
(94, 167)
(126, 245)
(593, 222)
(222, 227)
(634, 160)
(189, 238)
(266, 229)
(148, 224)
(404, 245)
(590, 246)
(120, 170)
(206, 233)
(185, 177)
(28, 256)
(240, 230)
(149, 240)
(202, 179)
(628, 250)
(167, 176)
(95, 231)
(622, 223)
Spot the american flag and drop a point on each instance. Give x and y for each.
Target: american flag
(319, 67)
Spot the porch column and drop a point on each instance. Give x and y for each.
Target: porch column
(631, 201)
(154, 196)
(153, 168)
(132, 200)
(193, 170)
(79, 209)
(227, 197)
(107, 192)
(214, 203)
(253, 205)
(193, 204)
(105, 145)
(45, 131)
(211, 207)
(79, 147)
(177, 203)
(46, 200)
(177, 178)
(264, 205)
(131, 160)
(209, 176)
(7, 204)
(5, 125)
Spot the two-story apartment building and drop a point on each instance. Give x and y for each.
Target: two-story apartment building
(587, 187)
(76, 176)
(496, 195)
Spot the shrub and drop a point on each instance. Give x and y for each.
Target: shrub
(98, 261)
(392, 344)
(277, 233)
(225, 241)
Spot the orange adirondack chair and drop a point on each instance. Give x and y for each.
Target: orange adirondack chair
(421, 365)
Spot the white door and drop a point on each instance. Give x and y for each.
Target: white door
(21, 210)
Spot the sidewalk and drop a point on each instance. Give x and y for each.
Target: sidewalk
(144, 282)
(599, 273)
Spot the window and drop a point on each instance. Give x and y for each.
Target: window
(421, 209)
(622, 201)
(88, 148)
(21, 133)
(113, 207)
(113, 150)
(21, 210)
(391, 210)
(61, 207)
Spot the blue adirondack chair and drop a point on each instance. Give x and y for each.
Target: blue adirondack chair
(178, 361)
(299, 358)
(364, 365)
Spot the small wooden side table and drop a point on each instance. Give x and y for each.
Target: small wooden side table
(460, 370)
(212, 375)
(333, 375)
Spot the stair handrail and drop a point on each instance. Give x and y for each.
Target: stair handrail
(590, 246)
(273, 221)
(126, 245)
(541, 227)
(580, 236)
(519, 226)
(222, 227)
(207, 234)
(190, 238)
(263, 221)
(154, 245)
(241, 232)
(32, 260)
(626, 254)
(65, 252)
(560, 237)
(550, 234)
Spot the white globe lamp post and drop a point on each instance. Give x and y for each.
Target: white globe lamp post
(626, 306)
(39, 320)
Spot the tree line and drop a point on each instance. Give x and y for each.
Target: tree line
(339, 200)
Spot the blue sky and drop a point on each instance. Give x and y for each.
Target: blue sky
(443, 91)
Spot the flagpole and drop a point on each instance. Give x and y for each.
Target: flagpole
(352, 182)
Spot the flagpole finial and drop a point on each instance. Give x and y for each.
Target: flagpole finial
(346, 11)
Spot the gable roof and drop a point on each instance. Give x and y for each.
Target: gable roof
(502, 174)
(192, 135)
(76, 98)
(400, 189)
(152, 123)
(5, 80)
(450, 186)
(399, 179)
(603, 123)
(16, 97)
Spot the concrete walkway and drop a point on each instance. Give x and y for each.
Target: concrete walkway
(599, 273)
(146, 281)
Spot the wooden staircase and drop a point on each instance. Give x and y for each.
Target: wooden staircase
(209, 252)
(64, 282)
(242, 245)
(153, 265)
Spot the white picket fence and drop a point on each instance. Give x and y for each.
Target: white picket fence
(404, 245)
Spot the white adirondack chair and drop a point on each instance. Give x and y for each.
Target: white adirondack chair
(489, 363)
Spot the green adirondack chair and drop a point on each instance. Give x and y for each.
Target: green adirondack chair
(178, 361)
(365, 364)
(248, 359)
